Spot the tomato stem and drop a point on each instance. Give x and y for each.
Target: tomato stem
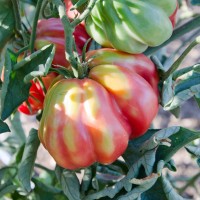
(69, 39)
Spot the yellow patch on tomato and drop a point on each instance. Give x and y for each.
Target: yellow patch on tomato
(69, 134)
(91, 102)
(72, 101)
(107, 144)
(112, 78)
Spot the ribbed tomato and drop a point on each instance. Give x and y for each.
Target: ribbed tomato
(91, 120)
(51, 31)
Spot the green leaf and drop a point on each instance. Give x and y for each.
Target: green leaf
(181, 86)
(7, 22)
(143, 149)
(14, 90)
(69, 182)
(19, 154)
(179, 137)
(107, 192)
(161, 190)
(142, 186)
(87, 179)
(130, 186)
(28, 160)
(45, 191)
(156, 147)
(3, 127)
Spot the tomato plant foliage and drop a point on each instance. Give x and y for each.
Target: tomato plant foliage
(94, 100)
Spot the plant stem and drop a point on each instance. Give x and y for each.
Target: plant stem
(185, 28)
(177, 63)
(22, 50)
(33, 33)
(84, 14)
(69, 39)
(18, 22)
(44, 168)
(17, 15)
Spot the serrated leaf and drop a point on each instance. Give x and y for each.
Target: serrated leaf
(161, 190)
(126, 183)
(167, 142)
(181, 86)
(178, 139)
(142, 150)
(134, 150)
(107, 192)
(14, 90)
(3, 127)
(143, 185)
(28, 160)
(69, 182)
(7, 22)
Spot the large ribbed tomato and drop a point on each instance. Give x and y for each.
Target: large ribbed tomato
(129, 25)
(51, 31)
(91, 120)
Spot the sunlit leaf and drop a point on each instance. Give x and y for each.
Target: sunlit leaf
(14, 90)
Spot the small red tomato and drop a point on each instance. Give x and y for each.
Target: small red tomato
(36, 97)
